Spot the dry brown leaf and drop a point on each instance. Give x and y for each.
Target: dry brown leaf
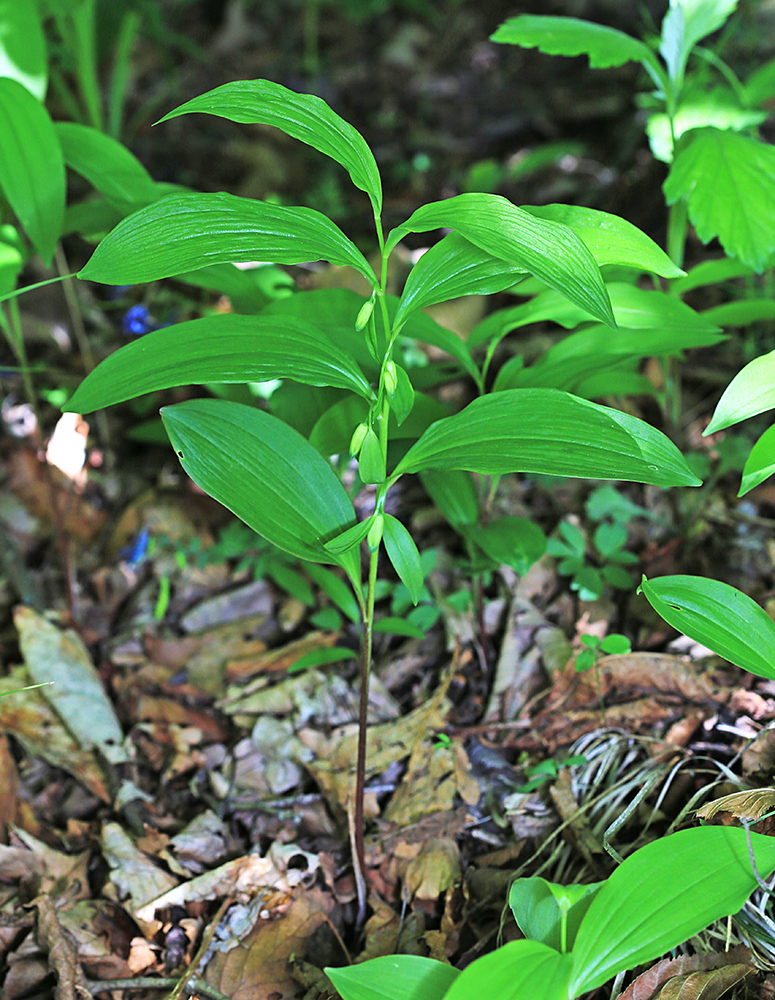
(706, 985)
(648, 983)
(9, 788)
(750, 804)
(435, 869)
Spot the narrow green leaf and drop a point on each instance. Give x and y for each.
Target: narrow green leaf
(32, 171)
(550, 432)
(690, 879)
(394, 977)
(729, 183)
(302, 116)
(454, 493)
(420, 326)
(751, 391)
(451, 268)
(742, 312)
(718, 616)
(350, 538)
(321, 658)
(23, 46)
(509, 541)
(569, 36)
(610, 239)
(548, 250)
(226, 348)
(520, 970)
(710, 272)
(266, 474)
(106, 164)
(337, 589)
(183, 232)
(404, 556)
(760, 464)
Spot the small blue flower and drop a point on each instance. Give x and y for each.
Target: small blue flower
(137, 321)
(135, 553)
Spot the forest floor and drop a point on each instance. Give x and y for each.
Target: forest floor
(212, 832)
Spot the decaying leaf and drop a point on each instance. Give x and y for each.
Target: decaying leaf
(750, 804)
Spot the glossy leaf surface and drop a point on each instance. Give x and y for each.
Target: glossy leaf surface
(760, 464)
(303, 116)
(548, 250)
(23, 46)
(718, 616)
(227, 348)
(569, 36)
(106, 164)
(32, 171)
(729, 183)
(265, 473)
(186, 231)
(394, 977)
(520, 970)
(689, 879)
(551, 432)
(751, 391)
(610, 239)
(538, 907)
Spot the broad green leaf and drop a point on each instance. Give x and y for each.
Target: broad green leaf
(23, 46)
(689, 879)
(454, 493)
(106, 164)
(32, 171)
(751, 391)
(719, 108)
(760, 464)
(729, 183)
(404, 556)
(451, 268)
(760, 85)
(610, 239)
(719, 616)
(548, 250)
(185, 231)
(510, 541)
(538, 908)
(265, 473)
(710, 272)
(550, 432)
(742, 312)
(569, 36)
(394, 977)
(686, 23)
(520, 970)
(226, 348)
(302, 116)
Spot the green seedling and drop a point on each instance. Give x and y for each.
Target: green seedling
(268, 473)
(594, 647)
(546, 771)
(610, 558)
(577, 937)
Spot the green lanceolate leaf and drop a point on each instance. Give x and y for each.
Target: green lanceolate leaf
(729, 183)
(690, 879)
(106, 164)
(404, 556)
(454, 493)
(760, 464)
(186, 231)
(610, 239)
(23, 46)
(32, 171)
(548, 250)
(568, 36)
(394, 977)
(227, 348)
(550, 432)
(751, 391)
(520, 970)
(451, 268)
(265, 473)
(302, 116)
(717, 615)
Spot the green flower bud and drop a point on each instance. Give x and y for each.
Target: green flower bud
(371, 461)
(356, 440)
(374, 536)
(391, 378)
(364, 315)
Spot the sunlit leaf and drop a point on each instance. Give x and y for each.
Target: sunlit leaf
(751, 391)
(548, 250)
(32, 171)
(569, 36)
(718, 616)
(719, 108)
(394, 977)
(106, 164)
(265, 473)
(760, 464)
(729, 183)
(538, 908)
(551, 432)
(686, 23)
(520, 970)
(186, 231)
(221, 348)
(23, 46)
(690, 879)
(302, 116)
